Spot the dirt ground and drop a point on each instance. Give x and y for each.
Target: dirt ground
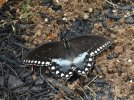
(25, 24)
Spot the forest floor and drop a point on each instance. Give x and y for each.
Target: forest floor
(25, 24)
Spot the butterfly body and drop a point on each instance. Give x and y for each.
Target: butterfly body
(65, 57)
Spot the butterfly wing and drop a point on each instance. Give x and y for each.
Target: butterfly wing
(47, 50)
(89, 43)
(86, 48)
(52, 55)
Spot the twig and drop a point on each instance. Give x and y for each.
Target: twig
(92, 80)
(114, 5)
(83, 91)
(91, 90)
(59, 85)
(86, 86)
(12, 70)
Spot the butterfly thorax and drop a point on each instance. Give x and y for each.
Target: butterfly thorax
(69, 50)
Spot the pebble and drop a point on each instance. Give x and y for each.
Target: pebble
(129, 60)
(129, 20)
(90, 10)
(64, 18)
(46, 20)
(85, 16)
(131, 81)
(118, 61)
(118, 49)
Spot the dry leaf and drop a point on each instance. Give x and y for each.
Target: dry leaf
(2, 2)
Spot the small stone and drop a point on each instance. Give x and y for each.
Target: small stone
(114, 11)
(64, 18)
(131, 81)
(86, 16)
(118, 61)
(90, 10)
(118, 49)
(46, 20)
(129, 20)
(38, 33)
(129, 60)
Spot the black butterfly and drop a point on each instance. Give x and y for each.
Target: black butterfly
(66, 56)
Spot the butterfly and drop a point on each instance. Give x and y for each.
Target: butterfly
(65, 57)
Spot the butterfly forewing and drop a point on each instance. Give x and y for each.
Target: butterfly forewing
(48, 50)
(89, 43)
(42, 55)
(52, 55)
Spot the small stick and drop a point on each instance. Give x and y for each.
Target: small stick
(92, 80)
(91, 90)
(82, 90)
(12, 70)
(114, 5)
(86, 86)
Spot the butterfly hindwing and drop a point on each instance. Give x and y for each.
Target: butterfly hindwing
(88, 46)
